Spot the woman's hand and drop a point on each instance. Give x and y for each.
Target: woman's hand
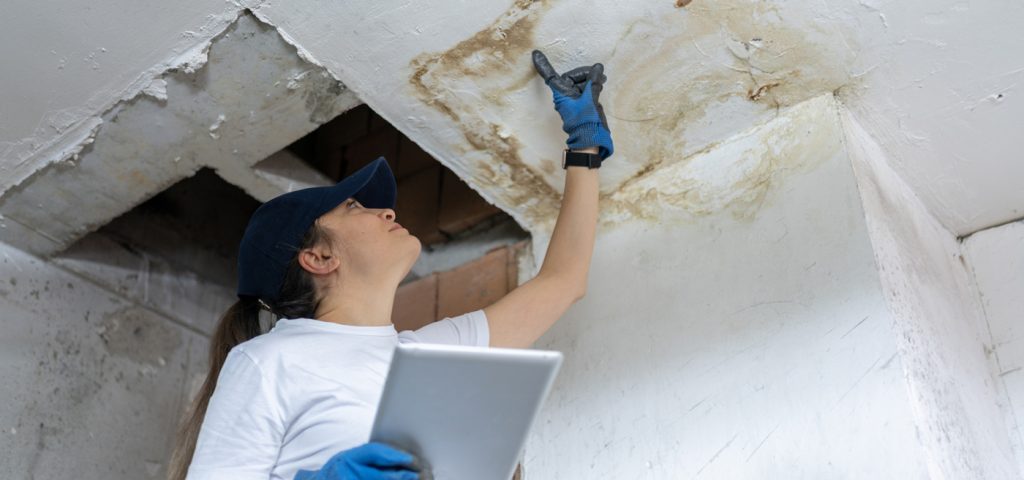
(371, 461)
(576, 95)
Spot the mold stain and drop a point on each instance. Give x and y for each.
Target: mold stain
(747, 167)
(735, 63)
(139, 336)
(499, 50)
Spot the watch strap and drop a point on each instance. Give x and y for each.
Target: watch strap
(580, 159)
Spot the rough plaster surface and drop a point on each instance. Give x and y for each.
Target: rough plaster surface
(725, 345)
(939, 324)
(193, 301)
(93, 383)
(76, 61)
(253, 96)
(931, 80)
(943, 96)
(996, 259)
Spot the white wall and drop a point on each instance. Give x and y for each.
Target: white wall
(938, 323)
(943, 94)
(748, 341)
(996, 259)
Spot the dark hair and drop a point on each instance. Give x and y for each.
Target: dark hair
(296, 299)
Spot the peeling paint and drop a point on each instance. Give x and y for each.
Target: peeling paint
(74, 127)
(145, 144)
(157, 89)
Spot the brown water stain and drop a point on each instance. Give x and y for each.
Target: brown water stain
(806, 136)
(669, 73)
(499, 50)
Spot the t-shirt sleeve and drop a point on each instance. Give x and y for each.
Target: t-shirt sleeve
(242, 431)
(469, 330)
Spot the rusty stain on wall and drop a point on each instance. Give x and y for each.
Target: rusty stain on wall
(731, 62)
(499, 50)
(745, 170)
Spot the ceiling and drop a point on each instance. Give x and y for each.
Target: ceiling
(935, 82)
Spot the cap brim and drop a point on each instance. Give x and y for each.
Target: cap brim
(373, 186)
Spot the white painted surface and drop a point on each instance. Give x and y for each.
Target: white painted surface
(206, 118)
(938, 322)
(749, 342)
(996, 257)
(94, 384)
(67, 63)
(935, 81)
(945, 98)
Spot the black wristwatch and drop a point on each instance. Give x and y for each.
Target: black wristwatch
(580, 159)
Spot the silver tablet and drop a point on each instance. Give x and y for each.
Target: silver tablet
(465, 411)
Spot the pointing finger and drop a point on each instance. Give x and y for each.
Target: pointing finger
(596, 73)
(543, 66)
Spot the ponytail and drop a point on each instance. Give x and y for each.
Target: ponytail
(238, 324)
(241, 322)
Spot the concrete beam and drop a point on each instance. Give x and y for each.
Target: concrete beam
(279, 173)
(252, 97)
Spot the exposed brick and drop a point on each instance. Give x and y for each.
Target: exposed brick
(417, 205)
(461, 206)
(415, 304)
(411, 158)
(474, 285)
(367, 149)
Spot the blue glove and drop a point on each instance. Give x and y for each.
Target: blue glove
(371, 461)
(576, 95)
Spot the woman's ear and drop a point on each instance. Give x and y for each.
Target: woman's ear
(318, 260)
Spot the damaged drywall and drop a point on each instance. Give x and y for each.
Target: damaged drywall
(238, 99)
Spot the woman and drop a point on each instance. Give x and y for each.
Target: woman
(327, 262)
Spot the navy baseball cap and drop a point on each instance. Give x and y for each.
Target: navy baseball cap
(275, 230)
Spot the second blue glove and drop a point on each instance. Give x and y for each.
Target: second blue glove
(371, 461)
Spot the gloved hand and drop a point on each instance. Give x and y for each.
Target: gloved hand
(576, 95)
(371, 461)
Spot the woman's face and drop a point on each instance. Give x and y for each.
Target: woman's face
(369, 241)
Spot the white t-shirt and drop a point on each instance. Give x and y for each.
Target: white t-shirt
(292, 398)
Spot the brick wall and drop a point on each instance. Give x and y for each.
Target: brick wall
(463, 289)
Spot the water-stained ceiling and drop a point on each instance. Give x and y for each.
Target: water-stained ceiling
(683, 76)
